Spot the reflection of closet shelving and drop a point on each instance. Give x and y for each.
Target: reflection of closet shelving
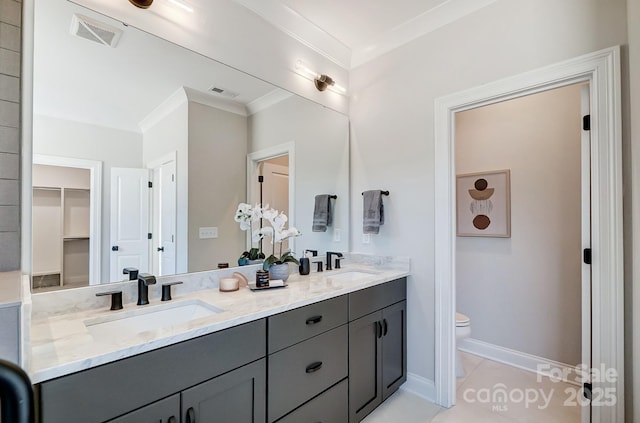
(60, 233)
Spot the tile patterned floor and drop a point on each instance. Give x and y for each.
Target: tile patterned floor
(529, 399)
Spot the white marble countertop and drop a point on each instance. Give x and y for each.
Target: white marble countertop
(62, 344)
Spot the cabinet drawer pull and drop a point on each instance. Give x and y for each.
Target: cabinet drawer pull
(384, 326)
(313, 320)
(314, 367)
(172, 419)
(191, 415)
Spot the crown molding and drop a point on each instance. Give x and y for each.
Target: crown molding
(301, 29)
(217, 103)
(423, 24)
(172, 102)
(268, 100)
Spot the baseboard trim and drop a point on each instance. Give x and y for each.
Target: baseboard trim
(521, 360)
(420, 386)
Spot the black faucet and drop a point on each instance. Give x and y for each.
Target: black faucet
(144, 280)
(331, 253)
(132, 272)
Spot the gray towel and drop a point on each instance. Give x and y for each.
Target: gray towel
(321, 213)
(373, 212)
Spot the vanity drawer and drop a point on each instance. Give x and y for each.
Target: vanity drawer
(377, 297)
(300, 372)
(329, 407)
(291, 327)
(104, 392)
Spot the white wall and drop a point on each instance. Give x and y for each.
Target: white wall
(217, 184)
(523, 292)
(113, 147)
(321, 163)
(168, 134)
(632, 209)
(393, 131)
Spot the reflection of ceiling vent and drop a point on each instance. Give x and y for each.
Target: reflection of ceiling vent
(223, 92)
(92, 30)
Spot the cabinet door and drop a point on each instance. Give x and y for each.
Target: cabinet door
(365, 365)
(328, 407)
(394, 348)
(163, 411)
(238, 396)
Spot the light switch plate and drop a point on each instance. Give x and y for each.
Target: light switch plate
(337, 235)
(366, 238)
(208, 232)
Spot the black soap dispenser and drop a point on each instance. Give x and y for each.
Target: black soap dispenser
(305, 266)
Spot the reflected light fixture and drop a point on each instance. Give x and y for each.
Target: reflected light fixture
(142, 4)
(321, 81)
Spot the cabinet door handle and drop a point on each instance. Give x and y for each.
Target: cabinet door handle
(172, 419)
(314, 367)
(385, 328)
(191, 415)
(378, 329)
(313, 320)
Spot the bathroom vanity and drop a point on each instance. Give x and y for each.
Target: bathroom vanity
(329, 347)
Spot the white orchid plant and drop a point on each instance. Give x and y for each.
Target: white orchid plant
(247, 214)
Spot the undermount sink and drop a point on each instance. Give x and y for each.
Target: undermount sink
(350, 276)
(150, 318)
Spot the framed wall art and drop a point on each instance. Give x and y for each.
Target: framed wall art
(483, 204)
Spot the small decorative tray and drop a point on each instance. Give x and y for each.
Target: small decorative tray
(252, 286)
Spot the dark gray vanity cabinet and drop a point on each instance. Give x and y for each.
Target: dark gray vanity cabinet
(377, 346)
(308, 363)
(238, 396)
(200, 372)
(163, 411)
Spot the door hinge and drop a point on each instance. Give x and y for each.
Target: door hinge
(150, 184)
(586, 390)
(586, 122)
(149, 236)
(586, 255)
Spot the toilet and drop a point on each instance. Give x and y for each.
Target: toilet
(463, 330)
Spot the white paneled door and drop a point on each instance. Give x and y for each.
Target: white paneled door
(129, 221)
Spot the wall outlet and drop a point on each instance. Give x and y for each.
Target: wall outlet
(337, 235)
(366, 238)
(208, 232)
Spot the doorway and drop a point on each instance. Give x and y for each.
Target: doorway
(521, 288)
(271, 181)
(66, 234)
(602, 71)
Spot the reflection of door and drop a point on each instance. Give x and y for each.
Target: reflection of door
(275, 187)
(129, 221)
(164, 218)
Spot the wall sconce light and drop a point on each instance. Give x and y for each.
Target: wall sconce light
(321, 81)
(142, 4)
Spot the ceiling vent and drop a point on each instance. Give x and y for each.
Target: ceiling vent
(223, 92)
(95, 31)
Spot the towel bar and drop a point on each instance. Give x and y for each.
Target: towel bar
(333, 196)
(381, 192)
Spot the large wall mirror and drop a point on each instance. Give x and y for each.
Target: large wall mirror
(142, 151)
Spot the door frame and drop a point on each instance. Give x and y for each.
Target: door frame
(95, 205)
(254, 158)
(602, 71)
(152, 165)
